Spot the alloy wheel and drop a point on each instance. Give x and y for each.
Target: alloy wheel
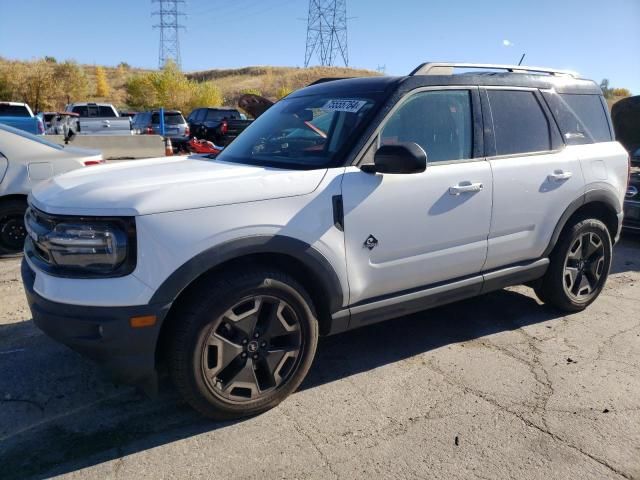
(584, 266)
(12, 233)
(252, 349)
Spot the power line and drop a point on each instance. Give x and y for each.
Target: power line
(327, 32)
(169, 26)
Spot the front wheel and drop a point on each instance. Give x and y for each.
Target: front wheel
(243, 344)
(12, 230)
(579, 266)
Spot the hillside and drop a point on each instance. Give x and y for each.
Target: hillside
(39, 82)
(270, 82)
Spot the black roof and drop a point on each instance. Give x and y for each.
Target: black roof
(363, 85)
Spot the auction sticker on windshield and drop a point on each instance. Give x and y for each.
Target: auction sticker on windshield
(343, 105)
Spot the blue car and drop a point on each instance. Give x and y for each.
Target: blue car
(19, 115)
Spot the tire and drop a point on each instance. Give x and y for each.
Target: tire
(579, 266)
(12, 231)
(242, 344)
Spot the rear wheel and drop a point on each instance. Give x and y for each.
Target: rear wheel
(12, 230)
(579, 266)
(243, 344)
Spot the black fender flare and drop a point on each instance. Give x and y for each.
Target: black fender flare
(184, 275)
(600, 195)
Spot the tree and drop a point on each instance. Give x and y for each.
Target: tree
(102, 85)
(169, 88)
(33, 83)
(604, 86)
(72, 83)
(621, 92)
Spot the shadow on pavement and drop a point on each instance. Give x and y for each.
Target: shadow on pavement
(58, 415)
(626, 254)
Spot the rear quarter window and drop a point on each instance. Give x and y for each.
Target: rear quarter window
(581, 118)
(520, 125)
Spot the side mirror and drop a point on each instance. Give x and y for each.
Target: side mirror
(401, 158)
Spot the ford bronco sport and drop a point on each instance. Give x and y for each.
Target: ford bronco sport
(349, 202)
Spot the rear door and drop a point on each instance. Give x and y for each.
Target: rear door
(406, 231)
(534, 177)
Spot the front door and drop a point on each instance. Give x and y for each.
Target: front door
(405, 231)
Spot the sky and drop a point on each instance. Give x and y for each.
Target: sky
(597, 39)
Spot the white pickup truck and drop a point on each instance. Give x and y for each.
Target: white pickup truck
(100, 119)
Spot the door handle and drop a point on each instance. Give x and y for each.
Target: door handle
(559, 176)
(465, 187)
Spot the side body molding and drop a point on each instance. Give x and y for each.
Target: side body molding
(258, 244)
(601, 195)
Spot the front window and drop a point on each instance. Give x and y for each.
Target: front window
(300, 132)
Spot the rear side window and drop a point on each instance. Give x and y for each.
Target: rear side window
(581, 118)
(520, 125)
(13, 111)
(105, 111)
(439, 121)
(82, 111)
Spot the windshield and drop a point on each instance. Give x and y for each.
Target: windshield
(300, 132)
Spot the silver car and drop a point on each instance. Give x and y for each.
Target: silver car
(25, 161)
(175, 126)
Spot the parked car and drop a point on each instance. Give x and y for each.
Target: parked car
(25, 161)
(176, 127)
(20, 116)
(127, 113)
(46, 119)
(63, 123)
(218, 125)
(347, 203)
(100, 119)
(626, 120)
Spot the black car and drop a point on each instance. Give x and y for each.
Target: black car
(626, 120)
(218, 125)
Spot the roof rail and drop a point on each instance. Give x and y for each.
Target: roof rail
(446, 68)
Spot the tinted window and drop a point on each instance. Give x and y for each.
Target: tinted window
(519, 123)
(590, 112)
(13, 111)
(218, 115)
(82, 111)
(105, 111)
(440, 122)
(170, 118)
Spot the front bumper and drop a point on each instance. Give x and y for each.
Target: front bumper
(102, 334)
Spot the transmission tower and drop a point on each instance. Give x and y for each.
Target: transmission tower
(327, 31)
(169, 13)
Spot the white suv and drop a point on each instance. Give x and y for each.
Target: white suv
(347, 203)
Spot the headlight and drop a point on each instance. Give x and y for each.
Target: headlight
(81, 246)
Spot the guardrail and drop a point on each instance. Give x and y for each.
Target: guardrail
(118, 147)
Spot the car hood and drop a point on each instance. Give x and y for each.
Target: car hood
(143, 187)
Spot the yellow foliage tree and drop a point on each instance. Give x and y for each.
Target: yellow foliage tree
(102, 85)
(169, 88)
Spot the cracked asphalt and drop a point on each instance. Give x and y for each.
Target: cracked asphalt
(493, 387)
